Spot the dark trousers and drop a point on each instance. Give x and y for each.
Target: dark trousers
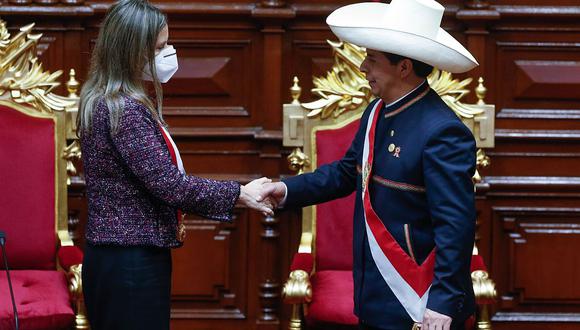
(362, 326)
(127, 288)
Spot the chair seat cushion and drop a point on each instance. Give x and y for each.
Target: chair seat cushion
(332, 298)
(42, 300)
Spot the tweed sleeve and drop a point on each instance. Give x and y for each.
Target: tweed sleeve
(142, 148)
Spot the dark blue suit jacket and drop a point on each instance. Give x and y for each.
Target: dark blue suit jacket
(429, 187)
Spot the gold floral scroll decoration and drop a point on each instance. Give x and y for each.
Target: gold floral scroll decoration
(22, 75)
(345, 87)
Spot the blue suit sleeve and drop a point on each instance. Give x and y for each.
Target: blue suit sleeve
(329, 181)
(449, 165)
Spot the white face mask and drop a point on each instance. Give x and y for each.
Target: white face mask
(165, 65)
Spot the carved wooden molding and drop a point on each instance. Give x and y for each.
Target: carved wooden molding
(209, 111)
(257, 133)
(538, 11)
(536, 317)
(569, 46)
(552, 186)
(564, 114)
(200, 313)
(540, 79)
(537, 134)
(524, 232)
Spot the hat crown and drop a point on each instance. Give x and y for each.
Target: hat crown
(410, 28)
(420, 17)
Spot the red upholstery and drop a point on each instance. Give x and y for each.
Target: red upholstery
(42, 300)
(332, 284)
(69, 256)
(27, 199)
(334, 218)
(28, 216)
(332, 298)
(477, 263)
(302, 261)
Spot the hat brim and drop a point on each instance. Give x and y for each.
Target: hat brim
(355, 25)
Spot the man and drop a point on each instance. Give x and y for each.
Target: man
(411, 164)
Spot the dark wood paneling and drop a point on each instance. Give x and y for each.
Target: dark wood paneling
(524, 233)
(533, 187)
(210, 270)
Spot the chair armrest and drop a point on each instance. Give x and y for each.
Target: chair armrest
(483, 286)
(70, 259)
(69, 256)
(302, 261)
(297, 289)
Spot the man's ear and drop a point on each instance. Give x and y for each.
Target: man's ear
(405, 68)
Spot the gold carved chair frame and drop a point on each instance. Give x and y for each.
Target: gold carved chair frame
(28, 88)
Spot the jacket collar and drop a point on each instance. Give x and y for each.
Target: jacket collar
(407, 100)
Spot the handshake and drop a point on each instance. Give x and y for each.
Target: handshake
(262, 195)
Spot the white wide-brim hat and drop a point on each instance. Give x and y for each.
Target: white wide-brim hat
(409, 28)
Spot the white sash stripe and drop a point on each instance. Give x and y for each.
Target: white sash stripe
(413, 304)
(409, 299)
(177, 155)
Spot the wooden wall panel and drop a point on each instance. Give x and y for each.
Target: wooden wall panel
(210, 271)
(237, 60)
(214, 78)
(532, 196)
(523, 234)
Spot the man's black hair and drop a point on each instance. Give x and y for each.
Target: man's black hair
(421, 69)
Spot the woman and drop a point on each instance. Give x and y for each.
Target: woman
(136, 185)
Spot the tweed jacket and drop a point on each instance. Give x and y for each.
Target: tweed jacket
(425, 183)
(134, 190)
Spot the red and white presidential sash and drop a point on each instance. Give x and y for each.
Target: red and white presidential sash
(176, 160)
(409, 281)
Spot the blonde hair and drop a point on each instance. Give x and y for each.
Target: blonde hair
(126, 43)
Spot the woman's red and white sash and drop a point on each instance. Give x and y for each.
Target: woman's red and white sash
(409, 281)
(176, 160)
(175, 155)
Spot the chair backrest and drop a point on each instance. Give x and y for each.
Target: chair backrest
(325, 129)
(33, 164)
(29, 193)
(333, 220)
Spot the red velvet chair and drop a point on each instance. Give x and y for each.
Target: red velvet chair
(320, 286)
(44, 265)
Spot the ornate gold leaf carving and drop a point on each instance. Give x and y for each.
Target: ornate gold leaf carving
(22, 75)
(71, 153)
(345, 88)
(451, 91)
(297, 289)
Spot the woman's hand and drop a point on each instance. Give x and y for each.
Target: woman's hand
(250, 193)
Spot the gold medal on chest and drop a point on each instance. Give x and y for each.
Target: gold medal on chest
(181, 233)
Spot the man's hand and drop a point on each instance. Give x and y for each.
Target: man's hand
(275, 191)
(435, 321)
(250, 196)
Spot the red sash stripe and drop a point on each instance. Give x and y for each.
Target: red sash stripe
(174, 161)
(419, 277)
